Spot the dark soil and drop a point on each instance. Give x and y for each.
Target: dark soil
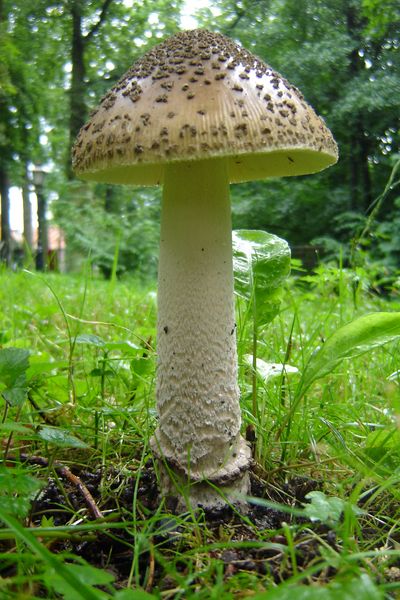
(172, 536)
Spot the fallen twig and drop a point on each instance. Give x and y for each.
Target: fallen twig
(66, 473)
(152, 563)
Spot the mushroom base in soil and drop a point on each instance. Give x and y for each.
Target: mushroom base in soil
(198, 435)
(196, 113)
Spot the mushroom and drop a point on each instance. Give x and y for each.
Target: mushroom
(195, 114)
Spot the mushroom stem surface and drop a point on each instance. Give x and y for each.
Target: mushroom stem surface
(197, 390)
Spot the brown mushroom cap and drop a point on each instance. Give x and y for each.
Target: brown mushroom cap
(199, 95)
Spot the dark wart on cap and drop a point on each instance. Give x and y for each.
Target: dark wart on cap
(199, 95)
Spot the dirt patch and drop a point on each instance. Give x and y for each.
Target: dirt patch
(256, 543)
(112, 549)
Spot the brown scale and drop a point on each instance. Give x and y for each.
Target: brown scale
(98, 126)
(145, 117)
(241, 130)
(167, 85)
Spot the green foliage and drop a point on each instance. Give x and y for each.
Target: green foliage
(96, 338)
(133, 595)
(361, 588)
(17, 490)
(383, 447)
(357, 337)
(60, 438)
(69, 579)
(350, 74)
(327, 509)
(382, 15)
(123, 239)
(267, 371)
(84, 350)
(261, 264)
(14, 363)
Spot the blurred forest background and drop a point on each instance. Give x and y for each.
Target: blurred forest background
(57, 59)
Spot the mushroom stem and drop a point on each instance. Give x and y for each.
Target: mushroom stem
(197, 391)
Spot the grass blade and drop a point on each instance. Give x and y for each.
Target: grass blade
(84, 591)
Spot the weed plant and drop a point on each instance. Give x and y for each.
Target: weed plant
(77, 371)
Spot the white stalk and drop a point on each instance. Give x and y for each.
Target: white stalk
(197, 390)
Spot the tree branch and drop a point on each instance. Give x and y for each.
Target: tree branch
(97, 25)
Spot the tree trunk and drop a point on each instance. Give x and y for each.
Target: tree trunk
(28, 236)
(78, 109)
(359, 174)
(42, 249)
(77, 91)
(5, 232)
(5, 246)
(111, 204)
(353, 173)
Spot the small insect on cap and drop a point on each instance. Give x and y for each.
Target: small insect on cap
(199, 95)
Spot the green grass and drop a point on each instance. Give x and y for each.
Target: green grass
(90, 406)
